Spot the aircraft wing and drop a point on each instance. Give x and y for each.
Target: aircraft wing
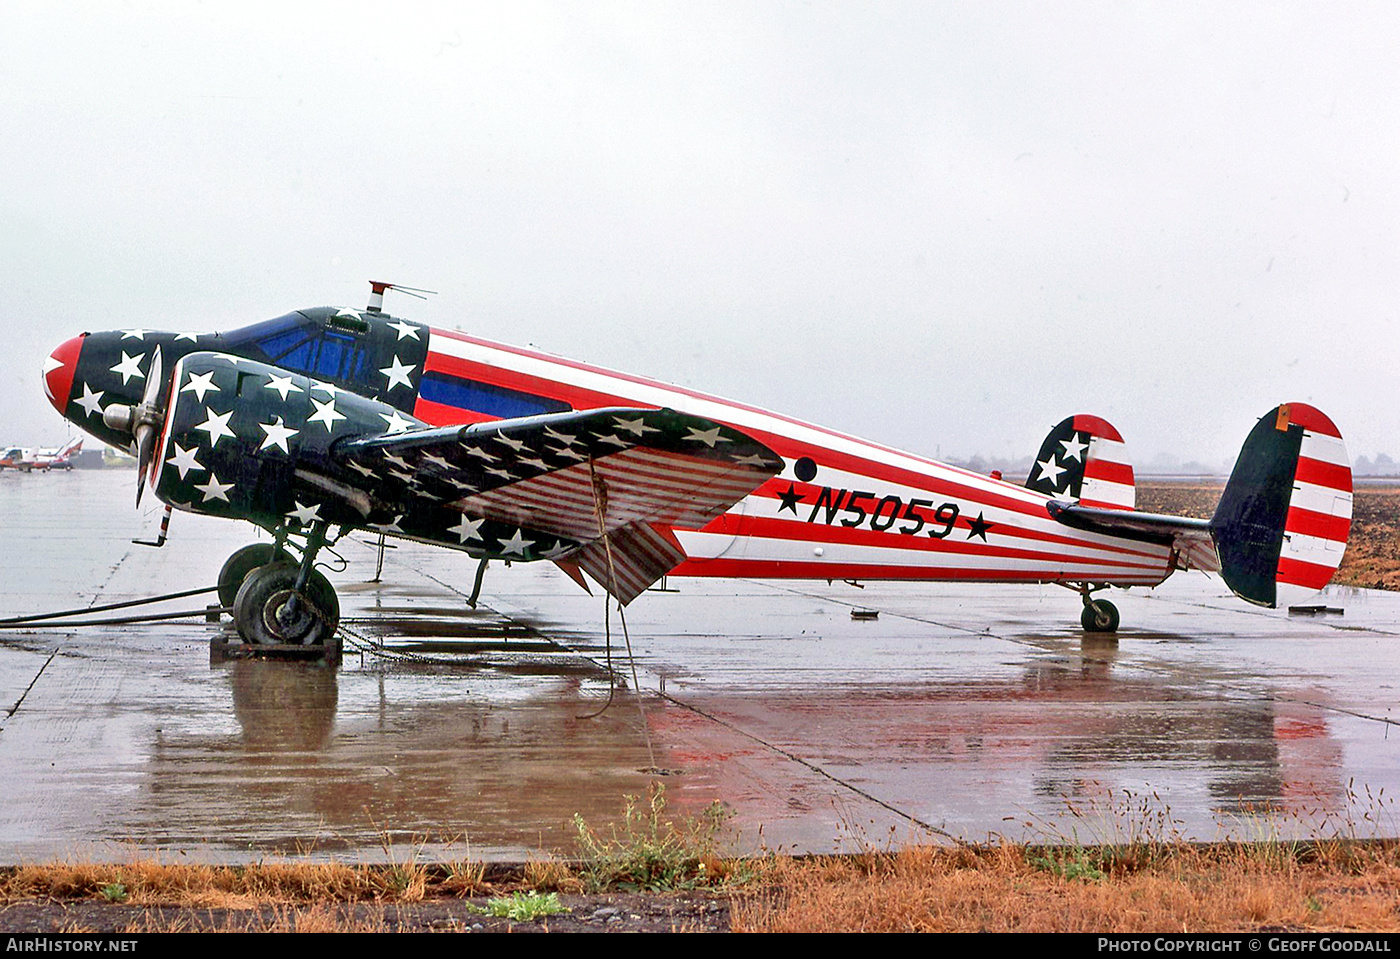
(1191, 539)
(631, 474)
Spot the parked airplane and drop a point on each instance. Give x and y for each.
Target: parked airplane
(60, 457)
(326, 420)
(25, 459)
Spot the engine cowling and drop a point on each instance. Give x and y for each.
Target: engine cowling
(247, 440)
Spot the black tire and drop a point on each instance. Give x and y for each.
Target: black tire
(259, 611)
(1099, 616)
(240, 564)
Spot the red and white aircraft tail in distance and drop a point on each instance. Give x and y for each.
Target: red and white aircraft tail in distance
(61, 457)
(328, 420)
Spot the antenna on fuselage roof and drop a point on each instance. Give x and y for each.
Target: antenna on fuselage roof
(376, 294)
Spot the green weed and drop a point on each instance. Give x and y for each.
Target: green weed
(522, 906)
(649, 851)
(1070, 863)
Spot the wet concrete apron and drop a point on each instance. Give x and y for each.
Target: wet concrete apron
(959, 711)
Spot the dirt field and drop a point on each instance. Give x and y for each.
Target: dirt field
(1373, 550)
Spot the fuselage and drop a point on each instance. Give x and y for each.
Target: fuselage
(841, 508)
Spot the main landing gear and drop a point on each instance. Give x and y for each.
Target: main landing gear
(278, 600)
(1099, 616)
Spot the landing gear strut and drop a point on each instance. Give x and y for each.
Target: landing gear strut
(1099, 616)
(279, 601)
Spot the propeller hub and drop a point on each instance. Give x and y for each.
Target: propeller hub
(120, 417)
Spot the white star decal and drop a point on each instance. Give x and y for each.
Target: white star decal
(405, 330)
(201, 384)
(614, 440)
(436, 461)
(389, 527)
(557, 550)
(754, 460)
(216, 426)
(1074, 448)
(130, 366)
(461, 485)
(51, 364)
(347, 313)
(184, 460)
(325, 414)
(306, 515)
(214, 489)
(277, 435)
(363, 470)
(395, 422)
(480, 453)
(467, 529)
(192, 337)
(1051, 470)
(398, 374)
(538, 464)
(283, 385)
(516, 544)
(398, 461)
(510, 441)
(565, 438)
(329, 389)
(90, 401)
(636, 427)
(401, 476)
(568, 453)
(708, 437)
(503, 474)
(134, 334)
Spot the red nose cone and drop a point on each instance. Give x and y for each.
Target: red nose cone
(58, 372)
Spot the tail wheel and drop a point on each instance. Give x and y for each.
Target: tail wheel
(1099, 616)
(264, 612)
(243, 562)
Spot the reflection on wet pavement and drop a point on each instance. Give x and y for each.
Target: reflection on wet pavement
(962, 710)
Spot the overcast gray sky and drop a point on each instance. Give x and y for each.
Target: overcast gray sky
(943, 226)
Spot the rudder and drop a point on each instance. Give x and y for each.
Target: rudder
(1282, 523)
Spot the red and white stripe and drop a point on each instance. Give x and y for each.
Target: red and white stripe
(1108, 472)
(753, 540)
(643, 485)
(1319, 509)
(630, 560)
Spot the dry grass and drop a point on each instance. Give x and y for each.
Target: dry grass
(150, 882)
(1010, 888)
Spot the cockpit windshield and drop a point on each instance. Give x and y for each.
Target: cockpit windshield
(305, 343)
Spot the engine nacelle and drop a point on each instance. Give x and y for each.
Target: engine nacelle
(247, 440)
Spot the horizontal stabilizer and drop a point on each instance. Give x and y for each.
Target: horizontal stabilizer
(1191, 539)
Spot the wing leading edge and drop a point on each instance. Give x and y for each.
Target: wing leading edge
(604, 486)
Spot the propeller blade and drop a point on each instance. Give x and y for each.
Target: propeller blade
(145, 444)
(153, 384)
(145, 430)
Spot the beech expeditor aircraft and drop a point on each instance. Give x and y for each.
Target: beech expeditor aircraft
(326, 421)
